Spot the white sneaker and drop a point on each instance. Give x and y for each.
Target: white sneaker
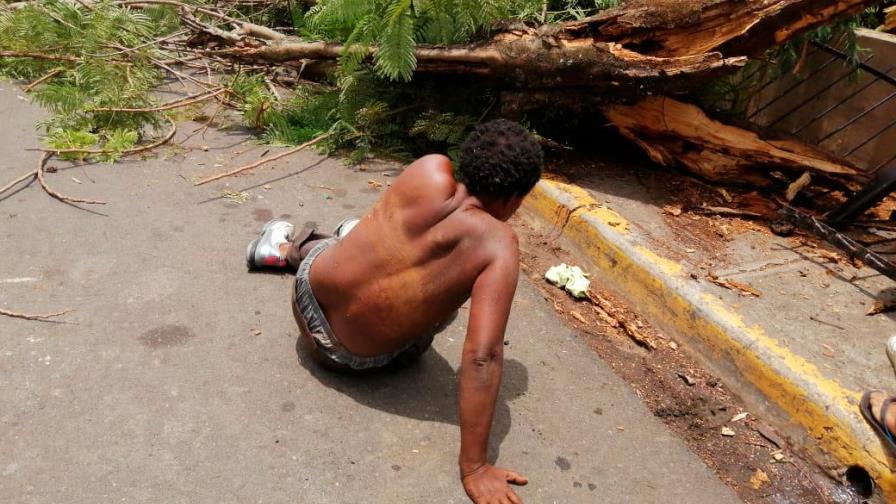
(264, 251)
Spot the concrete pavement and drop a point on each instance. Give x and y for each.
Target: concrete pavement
(159, 388)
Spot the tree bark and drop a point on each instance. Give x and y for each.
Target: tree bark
(621, 55)
(655, 45)
(673, 133)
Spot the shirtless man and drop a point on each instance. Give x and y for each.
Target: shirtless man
(376, 296)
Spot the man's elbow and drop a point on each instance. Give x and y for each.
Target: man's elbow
(484, 357)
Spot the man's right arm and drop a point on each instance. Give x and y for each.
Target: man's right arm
(480, 374)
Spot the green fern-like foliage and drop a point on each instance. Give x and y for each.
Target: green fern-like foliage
(395, 27)
(388, 117)
(106, 73)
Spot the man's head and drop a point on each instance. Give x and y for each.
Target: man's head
(500, 162)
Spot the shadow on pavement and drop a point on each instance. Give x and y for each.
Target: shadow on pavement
(425, 390)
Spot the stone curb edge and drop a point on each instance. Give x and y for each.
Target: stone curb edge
(819, 414)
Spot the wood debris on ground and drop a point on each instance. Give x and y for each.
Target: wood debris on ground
(883, 305)
(673, 210)
(690, 382)
(610, 312)
(576, 315)
(238, 197)
(758, 479)
(32, 316)
(740, 416)
(743, 289)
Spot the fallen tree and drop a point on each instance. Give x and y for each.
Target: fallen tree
(649, 44)
(602, 63)
(619, 55)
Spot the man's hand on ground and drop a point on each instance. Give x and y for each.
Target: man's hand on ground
(489, 485)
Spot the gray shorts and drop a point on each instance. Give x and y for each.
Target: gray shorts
(328, 345)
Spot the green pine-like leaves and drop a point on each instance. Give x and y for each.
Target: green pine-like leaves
(395, 27)
(102, 77)
(395, 58)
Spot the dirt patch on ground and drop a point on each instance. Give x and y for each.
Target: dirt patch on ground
(741, 449)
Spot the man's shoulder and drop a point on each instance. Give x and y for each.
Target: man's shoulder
(433, 169)
(428, 181)
(492, 234)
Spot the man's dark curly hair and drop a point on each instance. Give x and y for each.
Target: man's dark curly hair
(499, 159)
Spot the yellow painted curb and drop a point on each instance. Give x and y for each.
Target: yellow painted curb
(746, 356)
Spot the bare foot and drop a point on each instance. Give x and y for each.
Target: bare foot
(875, 400)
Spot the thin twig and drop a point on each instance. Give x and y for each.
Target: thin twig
(60, 197)
(45, 78)
(32, 316)
(207, 85)
(151, 42)
(271, 86)
(8, 186)
(205, 126)
(139, 3)
(34, 55)
(126, 152)
(183, 102)
(263, 161)
(727, 212)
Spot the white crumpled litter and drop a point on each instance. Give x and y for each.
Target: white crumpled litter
(571, 278)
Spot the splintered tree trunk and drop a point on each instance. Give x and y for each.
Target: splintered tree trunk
(675, 133)
(620, 55)
(653, 44)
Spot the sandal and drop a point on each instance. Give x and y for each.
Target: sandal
(881, 426)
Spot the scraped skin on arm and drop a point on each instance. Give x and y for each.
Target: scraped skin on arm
(480, 375)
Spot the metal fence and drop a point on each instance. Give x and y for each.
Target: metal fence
(844, 108)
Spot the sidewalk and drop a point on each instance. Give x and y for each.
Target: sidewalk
(800, 353)
(158, 387)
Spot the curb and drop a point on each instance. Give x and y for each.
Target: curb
(819, 414)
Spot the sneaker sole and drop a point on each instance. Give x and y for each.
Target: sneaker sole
(250, 255)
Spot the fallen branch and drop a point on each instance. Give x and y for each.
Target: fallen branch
(127, 152)
(51, 192)
(205, 126)
(263, 161)
(16, 181)
(728, 212)
(34, 55)
(32, 316)
(45, 78)
(183, 102)
(613, 314)
(743, 289)
(141, 46)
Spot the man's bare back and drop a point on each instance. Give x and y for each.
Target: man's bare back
(411, 262)
(436, 238)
